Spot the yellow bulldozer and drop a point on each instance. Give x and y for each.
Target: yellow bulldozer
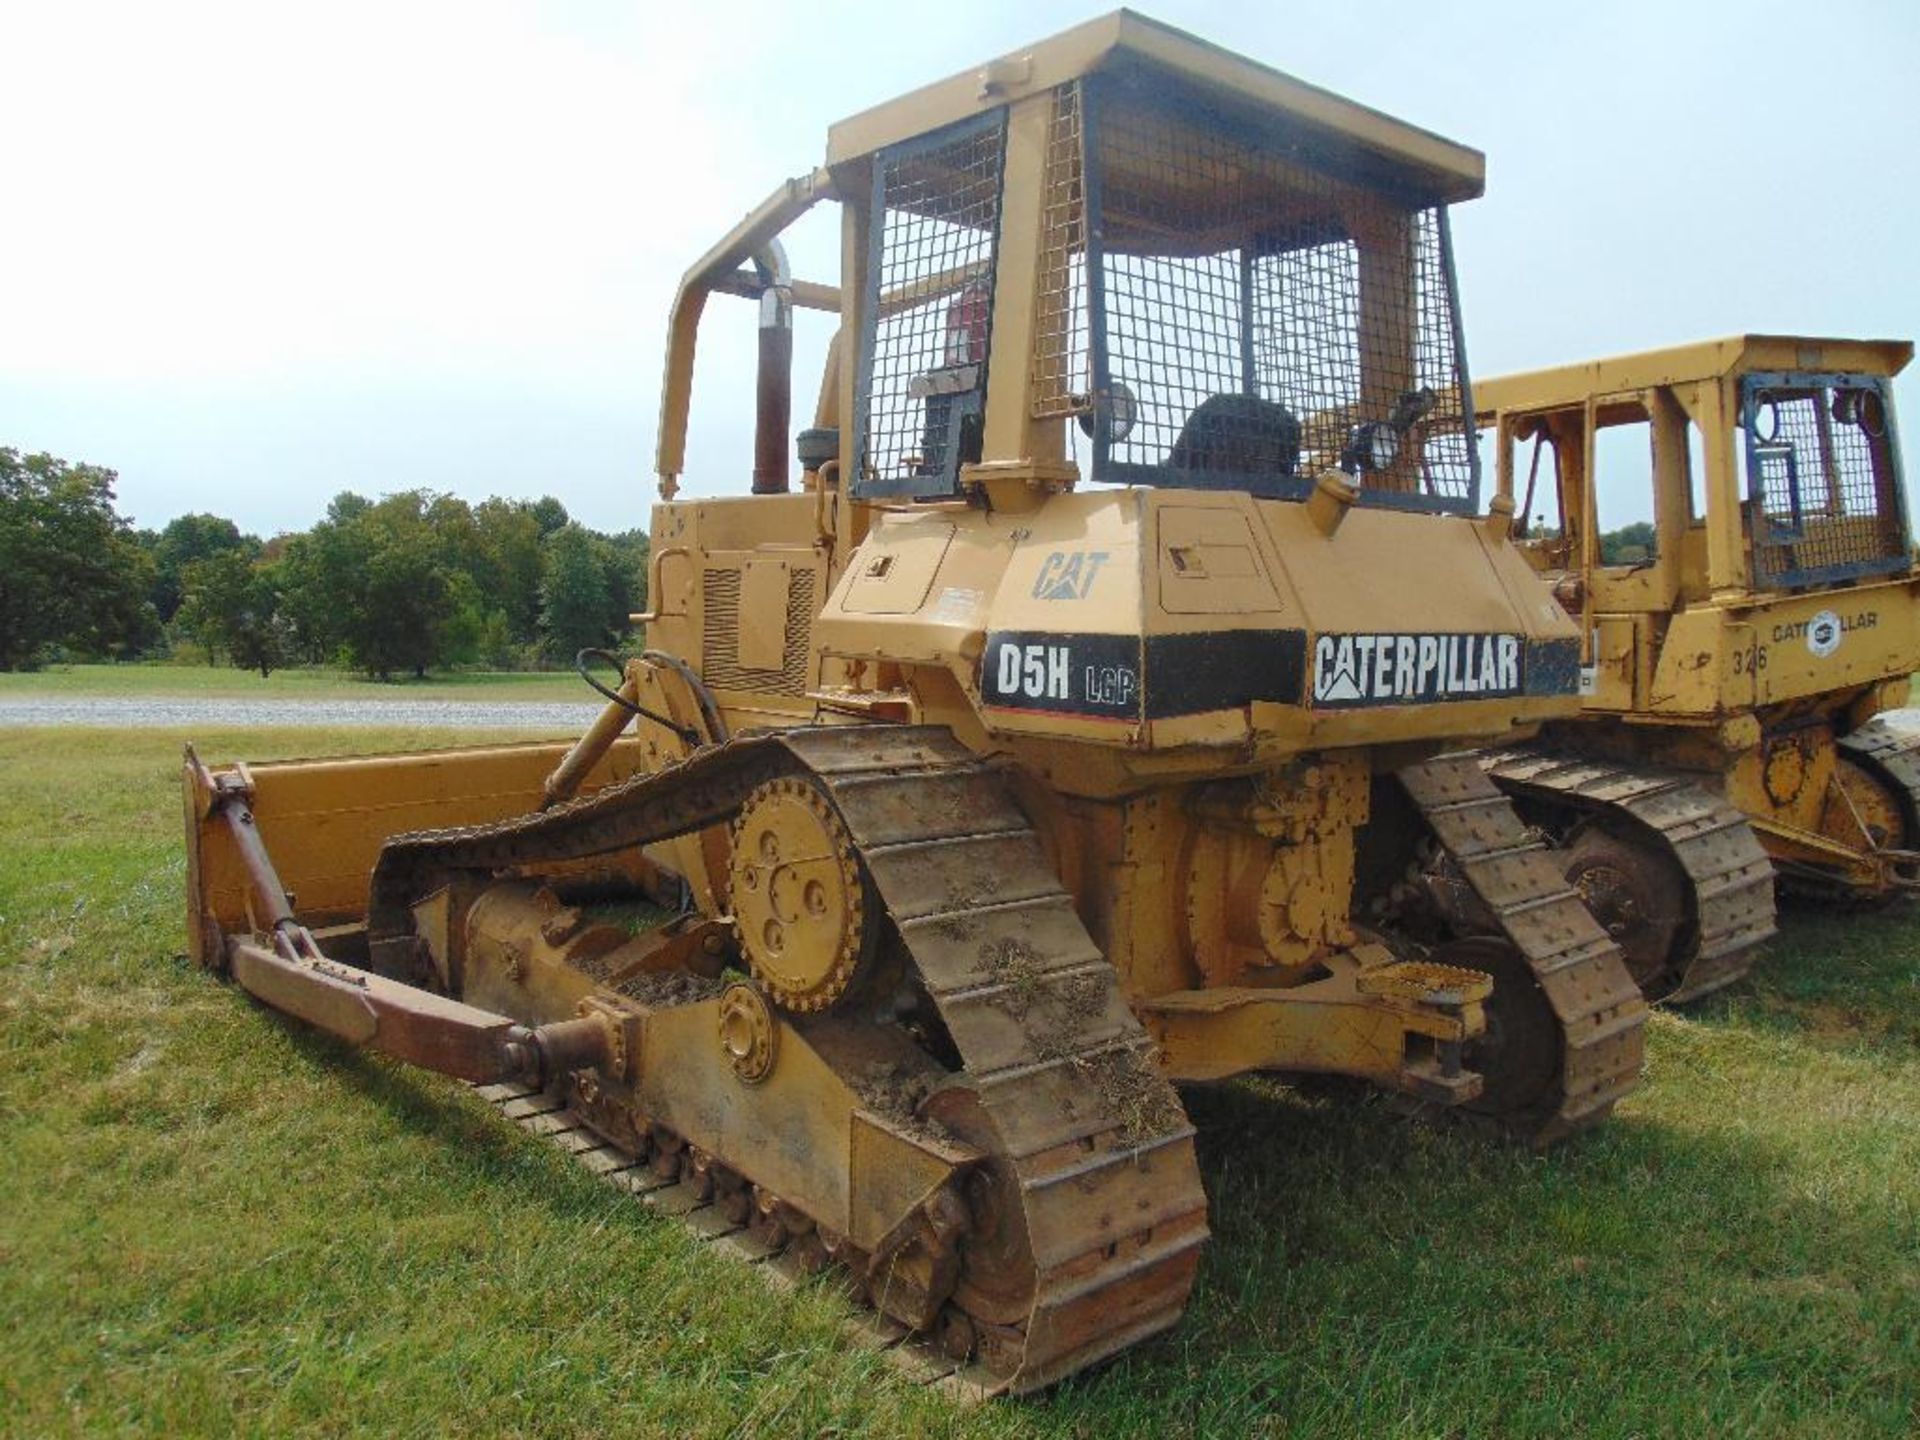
(1731, 670)
(1087, 716)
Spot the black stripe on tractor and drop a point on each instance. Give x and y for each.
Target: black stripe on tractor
(1101, 675)
(1224, 670)
(1552, 667)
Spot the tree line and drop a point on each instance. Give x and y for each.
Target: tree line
(402, 584)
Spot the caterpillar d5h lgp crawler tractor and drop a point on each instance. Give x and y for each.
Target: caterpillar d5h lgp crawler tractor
(1732, 669)
(1077, 724)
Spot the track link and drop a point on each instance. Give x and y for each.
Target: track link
(1729, 874)
(1578, 967)
(1088, 1145)
(547, 1116)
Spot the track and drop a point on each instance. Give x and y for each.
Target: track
(1893, 757)
(1729, 875)
(1575, 963)
(705, 1215)
(1091, 1216)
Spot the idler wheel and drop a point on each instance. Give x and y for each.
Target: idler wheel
(798, 896)
(1861, 812)
(1640, 899)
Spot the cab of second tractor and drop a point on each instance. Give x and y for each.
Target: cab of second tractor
(1754, 629)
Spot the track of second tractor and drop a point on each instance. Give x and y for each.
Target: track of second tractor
(1891, 754)
(1575, 963)
(1729, 875)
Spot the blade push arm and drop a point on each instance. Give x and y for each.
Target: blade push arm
(292, 974)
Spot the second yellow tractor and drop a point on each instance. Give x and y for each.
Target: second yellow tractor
(1734, 668)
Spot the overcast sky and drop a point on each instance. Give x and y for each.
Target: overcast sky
(259, 253)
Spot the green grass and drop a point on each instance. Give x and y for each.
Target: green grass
(223, 682)
(212, 1221)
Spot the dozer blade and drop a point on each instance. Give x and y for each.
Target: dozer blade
(286, 969)
(324, 821)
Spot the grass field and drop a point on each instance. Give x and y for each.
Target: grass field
(213, 1222)
(225, 682)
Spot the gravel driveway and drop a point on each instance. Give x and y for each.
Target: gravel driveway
(146, 712)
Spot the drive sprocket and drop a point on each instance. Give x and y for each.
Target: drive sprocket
(797, 894)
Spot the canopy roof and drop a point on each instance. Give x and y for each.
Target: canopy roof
(1412, 158)
(1568, 385)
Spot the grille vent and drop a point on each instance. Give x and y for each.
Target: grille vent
(720, 654)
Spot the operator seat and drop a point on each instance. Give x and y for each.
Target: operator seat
(1239, 435)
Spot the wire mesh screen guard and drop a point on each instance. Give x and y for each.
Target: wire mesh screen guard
(1246, 309)
(1822, 480)
(929, 308)
(1062, 368)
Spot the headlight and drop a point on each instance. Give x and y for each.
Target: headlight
(1371, 448)
(1122, 411)
(1383, 446)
